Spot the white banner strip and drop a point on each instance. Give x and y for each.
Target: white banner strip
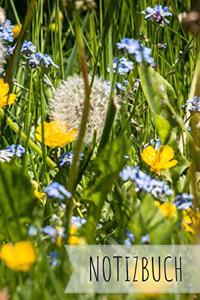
(135, 269)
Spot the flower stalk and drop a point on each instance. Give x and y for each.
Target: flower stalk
(73, 172)
(16, 55)
(86, 108)
(195, 121)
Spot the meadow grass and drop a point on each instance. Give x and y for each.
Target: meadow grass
(85, 43)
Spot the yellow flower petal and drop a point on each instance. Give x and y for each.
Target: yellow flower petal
(4, 88)
(169, 164)
(11, 98)
(159, 159)
(5, 97)
(74, 240)
(149, 155)
(191, 220)
(168, 210)
(56, 134)
(19, 256)
(166, 153)
(39, 195)
(16, 30)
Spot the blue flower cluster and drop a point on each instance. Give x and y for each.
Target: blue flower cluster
(66, 159)
(119, 86)
(145, 182)
(192, 104)
(129, 238)
(11, 151)
(36, 59)
(158, 13)
(58, 191)
(16, 150)
(121, 65)
(77, 221)
(6, 31)
(183, 201)
(137, 49)
(122, 86)
(51, 231)
(9, 50)
(28, 48)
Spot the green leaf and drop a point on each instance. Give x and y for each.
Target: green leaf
(159, 93)
(163, 126)
(16, 197)
(108, 165)
(149, 220)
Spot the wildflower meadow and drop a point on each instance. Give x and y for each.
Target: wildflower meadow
(99, 135)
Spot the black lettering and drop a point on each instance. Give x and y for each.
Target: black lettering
(106, 258)
(165, 268)
(95, 271)
(127, 268)
(135, 270)
(144, 268)
(153, 271)
(178, 269)
(117, 259)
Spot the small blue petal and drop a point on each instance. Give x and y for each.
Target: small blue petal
(57, 190)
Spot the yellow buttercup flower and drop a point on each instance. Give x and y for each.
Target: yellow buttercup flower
(191, 219)
(168, 210)
(19, 256)
(16, 30)
(159, 159)
(56, 134)
(5, 97)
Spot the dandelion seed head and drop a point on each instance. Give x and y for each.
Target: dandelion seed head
(2, 54)
(68, 101)
(2, 15)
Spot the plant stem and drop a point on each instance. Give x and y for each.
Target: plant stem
(13, 63)
(73, 172)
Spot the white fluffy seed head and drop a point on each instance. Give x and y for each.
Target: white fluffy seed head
(2, 16)
(2, 54)
(68, 100)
